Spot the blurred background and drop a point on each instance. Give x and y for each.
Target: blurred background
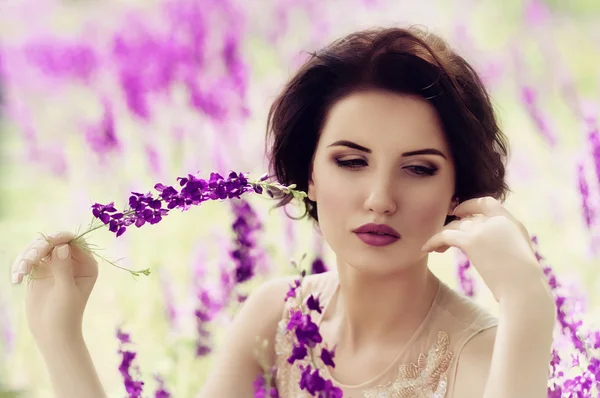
(99, 99)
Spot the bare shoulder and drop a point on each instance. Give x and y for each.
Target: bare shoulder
(273, 291)
(265, 305)
(272, 288)
(318, 280)
(270, 295)
(474, 364)
(260, 313)
(236, 364)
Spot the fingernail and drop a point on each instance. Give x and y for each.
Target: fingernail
(62, 251)
(15, 278)
(55, 235)
(23, 267)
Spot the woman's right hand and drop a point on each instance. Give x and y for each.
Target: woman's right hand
(63, 278)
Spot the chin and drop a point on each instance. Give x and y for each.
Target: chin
(394, 258)
(384, 263)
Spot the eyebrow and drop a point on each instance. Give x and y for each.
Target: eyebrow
(353, 145)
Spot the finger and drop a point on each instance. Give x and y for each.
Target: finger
(16, 278)
(35, 251)
(43, 244)
(468, 224)
(32, 254)
(447, 237)
(15, 265)
(60, 237)
(465, 224)
(458, 225)
(62, 266)
(44, 249)
(488, 206)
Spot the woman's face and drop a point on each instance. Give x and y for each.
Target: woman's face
(367, 169)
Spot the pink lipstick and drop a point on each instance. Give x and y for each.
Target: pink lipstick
(377, 234)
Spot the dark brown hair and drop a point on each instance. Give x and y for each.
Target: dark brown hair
(400, 60)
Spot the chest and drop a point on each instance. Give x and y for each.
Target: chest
(375, 374)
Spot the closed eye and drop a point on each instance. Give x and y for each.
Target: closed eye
(350, 164)
(353, 164)
(422, 170)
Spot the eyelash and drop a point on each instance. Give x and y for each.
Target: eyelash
(351, 164)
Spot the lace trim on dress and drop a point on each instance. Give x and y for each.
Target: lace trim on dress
(427, 378)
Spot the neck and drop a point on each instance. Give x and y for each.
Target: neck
(383, 307)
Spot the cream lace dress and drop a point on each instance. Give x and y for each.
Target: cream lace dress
(424, 368)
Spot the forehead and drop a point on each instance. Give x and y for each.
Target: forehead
(380, 119)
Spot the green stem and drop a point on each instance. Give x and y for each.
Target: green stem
(125, 214)
(88, 231)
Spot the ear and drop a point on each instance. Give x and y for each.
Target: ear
(453, 203)
(311, 189)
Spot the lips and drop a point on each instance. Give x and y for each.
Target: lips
(378, 230)
(377, 234)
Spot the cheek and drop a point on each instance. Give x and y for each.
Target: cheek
(430, 203)
(429, 213)
(331, 191)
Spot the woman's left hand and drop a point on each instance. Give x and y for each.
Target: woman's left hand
(497, 245)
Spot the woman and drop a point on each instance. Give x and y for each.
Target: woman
(394, 138)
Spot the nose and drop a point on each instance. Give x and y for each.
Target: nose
(381, 199)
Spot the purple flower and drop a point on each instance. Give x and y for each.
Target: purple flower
(207, 310)
(262, 389)
(305, 335)
(554, 363)
(211, 300)
(307, 332)
(295, 319)
(567, 324)
(123, 337)
(134, 91)
(298, 352)
(580, 347)
(316, 385)
(245, 227)
(238, 71)
(318, 266)
(327, 357)
(313, 304)
(63, 60)
(588, 211)
(133, 387)
(145, 208)
(595, 340)
(102, 137)
(101, 211)
(467, 284)
(292, 291)
(207, 101)
(594, 368)
(203, 350)
(161, 392)
(594, 143)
